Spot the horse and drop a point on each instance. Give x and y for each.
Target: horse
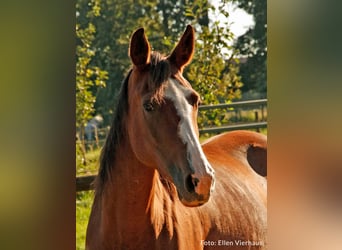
(157, 186)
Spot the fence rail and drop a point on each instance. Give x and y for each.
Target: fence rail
(234, 104)
(85, 183)
(254, 125)
(261, 104)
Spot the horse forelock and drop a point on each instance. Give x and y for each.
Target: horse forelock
(159, 73)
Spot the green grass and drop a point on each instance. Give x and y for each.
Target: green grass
(263, 131)
(84, 199)
(92, 163)
(83, 205)
(242, 116)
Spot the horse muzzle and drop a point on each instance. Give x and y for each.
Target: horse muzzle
(198, 188)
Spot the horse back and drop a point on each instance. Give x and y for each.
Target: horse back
(238, 206)
(244, 146)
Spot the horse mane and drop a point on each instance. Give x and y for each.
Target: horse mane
(114, 136)
(159, 71)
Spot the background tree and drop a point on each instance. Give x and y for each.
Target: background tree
(214, 69)
(253, 46)
(87, 76)
(114, 26)
(213, 72)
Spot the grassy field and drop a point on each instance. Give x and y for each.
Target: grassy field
(83, 204)
(84, 199)
(91, 167)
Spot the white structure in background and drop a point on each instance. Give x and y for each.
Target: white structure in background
(91, 128)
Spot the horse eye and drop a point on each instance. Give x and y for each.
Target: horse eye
(148, 106)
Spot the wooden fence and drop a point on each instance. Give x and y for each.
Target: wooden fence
(259, 107)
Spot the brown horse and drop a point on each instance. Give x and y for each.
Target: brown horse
(157, 187)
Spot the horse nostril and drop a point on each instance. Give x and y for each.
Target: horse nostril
(190, 184)
(201, 186)
(195, 181)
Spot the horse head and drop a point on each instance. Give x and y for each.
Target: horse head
(162, 117)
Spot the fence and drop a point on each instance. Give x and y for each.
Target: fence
(259, 110)
(258, 107)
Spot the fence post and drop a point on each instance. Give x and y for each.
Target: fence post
(256, 117)
(96, 137)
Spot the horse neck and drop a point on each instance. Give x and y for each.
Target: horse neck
(129, 192)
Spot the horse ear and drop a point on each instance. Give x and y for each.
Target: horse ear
(139, 49)
(184, 50)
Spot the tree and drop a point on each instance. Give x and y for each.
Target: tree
(253, 46)
(87, 76)
(213, 73)
(118, 19)
(214, 70)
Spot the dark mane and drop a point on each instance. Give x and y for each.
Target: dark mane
(159, 72)
(114, 136)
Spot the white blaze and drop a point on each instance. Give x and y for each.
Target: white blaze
(177, 93)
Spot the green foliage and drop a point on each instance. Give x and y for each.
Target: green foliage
(214, 69)
(253, 46)
(214, 73)
(87, 76)
(213, 76)
(117, 21)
